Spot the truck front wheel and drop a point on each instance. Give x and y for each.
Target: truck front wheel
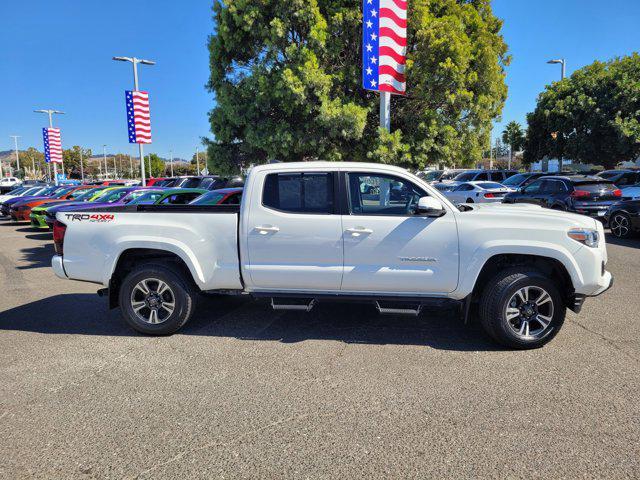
(521, 308)
(155, 299)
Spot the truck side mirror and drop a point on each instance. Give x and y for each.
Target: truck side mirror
(430, 207)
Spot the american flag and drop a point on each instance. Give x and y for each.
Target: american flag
(384, 45)
(52, 145)
(138, 117)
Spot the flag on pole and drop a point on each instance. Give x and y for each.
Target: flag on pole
(384, 45)
(52, 145)
(138, 117)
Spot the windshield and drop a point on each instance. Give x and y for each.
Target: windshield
(489, 185)
(111, 196)
(191, 183)
(147, 197)
(62, 192)
(465, 176)
(515, 180)
(47, 191)
(431, 176)
(449, 175)
(18, 190)
(211, 198)
(133, 195)
(609, 174)
(85, 194)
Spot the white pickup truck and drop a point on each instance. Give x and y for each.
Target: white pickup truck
(309, 232)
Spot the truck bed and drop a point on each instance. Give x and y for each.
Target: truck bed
(204, 237)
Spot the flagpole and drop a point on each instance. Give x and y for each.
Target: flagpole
(135, 62)
(55, 164)
(385, 110)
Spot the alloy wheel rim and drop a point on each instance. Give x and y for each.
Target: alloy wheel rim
(152, 301)
(620, 225)
(529, 312)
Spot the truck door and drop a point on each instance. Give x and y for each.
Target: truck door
(389, 249)
(294, 234)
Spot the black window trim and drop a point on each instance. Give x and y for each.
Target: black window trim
(332, 174)
(347, 195)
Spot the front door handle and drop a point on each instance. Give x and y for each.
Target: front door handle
(264, 229)
(357, 231)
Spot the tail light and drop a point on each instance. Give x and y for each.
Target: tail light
(617, 193)
(580, 193)
(59, 229)
(489, 195)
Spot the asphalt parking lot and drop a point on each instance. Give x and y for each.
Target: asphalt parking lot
(245, 392)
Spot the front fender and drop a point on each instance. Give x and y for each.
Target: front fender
(472, 267)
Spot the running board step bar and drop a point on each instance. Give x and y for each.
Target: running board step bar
(299, 304)
(398, 308)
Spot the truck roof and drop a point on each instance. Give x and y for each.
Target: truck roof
(322, 165)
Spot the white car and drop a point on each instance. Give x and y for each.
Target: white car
(21, 192)
(477, 192)
(8, 182)
(631, 193)
(335, 231)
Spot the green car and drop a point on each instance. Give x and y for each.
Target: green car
(169, 196)
(38, 215)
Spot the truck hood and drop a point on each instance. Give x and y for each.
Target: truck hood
(534, 212)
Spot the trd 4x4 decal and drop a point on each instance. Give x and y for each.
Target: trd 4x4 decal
(90, 217)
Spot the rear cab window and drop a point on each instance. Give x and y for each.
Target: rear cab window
(307, 192)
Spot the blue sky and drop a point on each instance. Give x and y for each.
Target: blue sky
(58, 55)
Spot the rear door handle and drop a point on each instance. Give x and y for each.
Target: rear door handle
(357, 231)
(264, 229)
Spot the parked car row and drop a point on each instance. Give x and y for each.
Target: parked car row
(611, 196)
(39, 204)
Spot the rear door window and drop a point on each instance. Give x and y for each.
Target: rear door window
(299, 192)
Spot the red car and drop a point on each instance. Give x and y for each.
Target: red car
(153, 181)
(20, 211)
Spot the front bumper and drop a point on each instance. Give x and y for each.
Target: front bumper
(58, 267)
(38, 221)
(20, 215)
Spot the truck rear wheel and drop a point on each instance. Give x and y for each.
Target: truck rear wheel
(155, 299)
(522, 308)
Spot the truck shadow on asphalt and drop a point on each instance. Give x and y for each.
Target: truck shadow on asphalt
(633, 242)
(246, 319)
(37, 257)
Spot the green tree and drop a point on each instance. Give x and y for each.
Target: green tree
(286, 78)
(32, 163)
(158, 166)
(71, 157)
(513, 136)
(591, 117)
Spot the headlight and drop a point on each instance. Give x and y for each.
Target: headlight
(590, 238)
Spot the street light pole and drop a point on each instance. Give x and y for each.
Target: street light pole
(55, 164)
(81, 167)
(171, 161)
(563, 64)
(130, 167)
(104, 156)
(135, 62)
(15, 142)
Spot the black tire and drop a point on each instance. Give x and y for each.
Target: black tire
(558, 207)
(181, 294)
(620, 225)
(469, 200)
(499, 294)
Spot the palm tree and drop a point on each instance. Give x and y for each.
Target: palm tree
(513, 135)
